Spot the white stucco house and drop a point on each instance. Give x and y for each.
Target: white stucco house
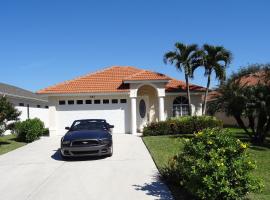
(127, 97)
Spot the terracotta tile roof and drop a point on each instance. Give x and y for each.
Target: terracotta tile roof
(254, 79)
(111, 80)
(180, 86)
(146, 75)
(246, 80)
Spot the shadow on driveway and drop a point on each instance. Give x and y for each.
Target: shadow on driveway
(57, 156)
(156, 189)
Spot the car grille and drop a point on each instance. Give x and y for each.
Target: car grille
(85, 143)
(84, 152)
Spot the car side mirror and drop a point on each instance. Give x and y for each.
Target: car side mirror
(67, 128)
(111, 126)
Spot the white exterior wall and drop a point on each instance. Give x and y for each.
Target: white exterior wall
(229, 120)
(41, 113)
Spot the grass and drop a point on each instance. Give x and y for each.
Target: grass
(164, 147)
(9, 143)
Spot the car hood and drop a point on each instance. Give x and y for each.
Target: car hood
(87, 134)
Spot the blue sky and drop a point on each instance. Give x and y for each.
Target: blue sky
(46, 42)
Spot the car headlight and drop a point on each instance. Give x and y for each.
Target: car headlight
(66, 142)
(105, 141)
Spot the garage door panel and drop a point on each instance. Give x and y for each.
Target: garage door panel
(116, 115)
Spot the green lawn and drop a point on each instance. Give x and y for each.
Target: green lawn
(9, 143)
(163, 147)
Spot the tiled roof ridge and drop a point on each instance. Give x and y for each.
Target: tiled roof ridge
(144, 70)
(83, 76)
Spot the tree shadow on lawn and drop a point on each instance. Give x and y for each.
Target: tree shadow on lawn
(4, 143)
(57, 156)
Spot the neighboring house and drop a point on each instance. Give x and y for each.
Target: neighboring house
(126, 97)
(30, 104)
(246, 80)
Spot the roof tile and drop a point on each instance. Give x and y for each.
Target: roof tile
(112, 80)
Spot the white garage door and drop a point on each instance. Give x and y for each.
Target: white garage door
(115, 114)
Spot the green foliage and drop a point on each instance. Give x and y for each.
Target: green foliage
(214, 165)
(181, 125)
(183, 57)
(214, 59)
(30, 130)
(7, 113)
(238, 99)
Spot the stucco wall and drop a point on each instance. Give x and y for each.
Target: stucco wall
(196, 104)
(41, 113)
(229, 120)
(153, 101)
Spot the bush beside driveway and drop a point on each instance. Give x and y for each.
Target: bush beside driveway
(164, 147)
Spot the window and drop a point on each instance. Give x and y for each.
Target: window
(79, 101)
(62, 102)
(106, 101)
(96, 101)
(114, 101)
(46, 106)
(21, 104)
(123, 101)
(180, 106)
(70, 102)
(89, 101)
(142, 108)
(38, 106)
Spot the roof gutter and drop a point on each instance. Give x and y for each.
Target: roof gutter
(22, 97)
(83, 94)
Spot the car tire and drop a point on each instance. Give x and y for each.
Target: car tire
(63, 157)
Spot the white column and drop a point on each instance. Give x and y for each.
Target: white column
(133, 116)
(161, 108)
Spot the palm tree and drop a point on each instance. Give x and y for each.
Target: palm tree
(183, 58)
(214, 59)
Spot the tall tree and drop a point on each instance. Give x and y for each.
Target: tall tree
(183, 58)
(213, 59)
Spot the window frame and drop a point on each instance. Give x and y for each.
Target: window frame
(62, 102)
(79, 100)
(97, 100)
(121, 101)
(115, 102)
(70, 102)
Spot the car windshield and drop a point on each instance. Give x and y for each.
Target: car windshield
(88, 125)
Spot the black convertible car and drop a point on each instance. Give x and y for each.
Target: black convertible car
(87, 137)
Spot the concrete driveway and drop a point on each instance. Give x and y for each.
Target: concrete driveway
(37, 172)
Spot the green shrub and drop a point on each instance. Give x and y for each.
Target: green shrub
(214, 165)
(181, 125)
(46, 132)
(29, 130)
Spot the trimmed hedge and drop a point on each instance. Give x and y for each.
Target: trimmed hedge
(181, 125)
(30, 130)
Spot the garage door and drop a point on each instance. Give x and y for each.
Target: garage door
(115, 114)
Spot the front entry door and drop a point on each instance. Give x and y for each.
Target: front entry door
(142, 112)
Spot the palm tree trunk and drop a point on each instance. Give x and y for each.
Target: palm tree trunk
(188, 95)
(206, 94)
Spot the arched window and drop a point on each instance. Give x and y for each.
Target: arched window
(180, 106)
